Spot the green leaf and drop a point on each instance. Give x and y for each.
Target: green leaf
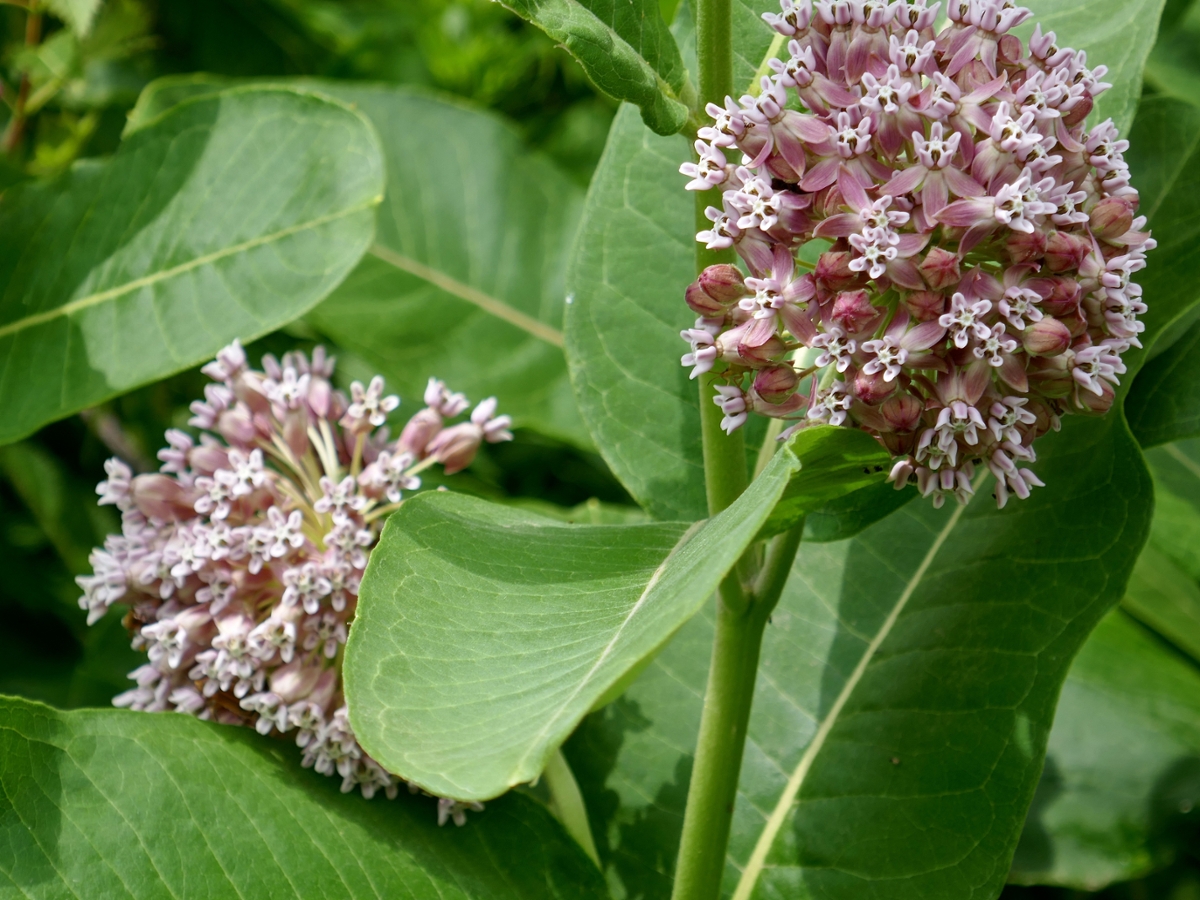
(624, 47)
(1118, 34)
(78, 14)
(121, 804)
(905, 695)
(466, 278)
(1167, 599)
(227, 217)
(1122, 765)
(1174, 64)
(1164, 402)
(485, 633)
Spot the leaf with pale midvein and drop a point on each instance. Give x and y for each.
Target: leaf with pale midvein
(110, 803)
(624, 47)
(228, 216)
(1122, 765)
(465, 278)
(485, 633)
(906, 691)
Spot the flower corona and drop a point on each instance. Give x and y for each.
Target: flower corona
(240, 560)
(977, 284)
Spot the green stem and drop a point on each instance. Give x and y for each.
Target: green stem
(567, 801)
(722, 739)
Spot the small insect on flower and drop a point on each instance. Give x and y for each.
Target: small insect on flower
(983, 239)
(240, 561)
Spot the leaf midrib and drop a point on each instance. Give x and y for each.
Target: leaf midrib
(486, 302)
(74, 306)
(766, 839)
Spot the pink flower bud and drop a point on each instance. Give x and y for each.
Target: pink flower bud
(162, 497)
(940, 269)
(1047, 337)
(295, 680)
(455, 447)
(1090, 404)
(1025, 247)
(776, 384)
(723, 283)
(419, 431)
(767, 353)
(870, 389)
(833, 271)
(295, 430)
(853, 311)
(1111, 217)
(1065, 251)
(1061, 295)
(899, 443)
(925, 306)
(902, 411)
(1051, 375)
(208, 457)
(1079, 111)
(1075, 321)
(236, 425)
(702, 303)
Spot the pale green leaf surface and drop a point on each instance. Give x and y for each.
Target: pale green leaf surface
(465, 279)
(906, 691)
(624, 47)
(1164, 597)
(109, 803)
(226, 217)
(78, 14)
(485, 633)
(1122, 765)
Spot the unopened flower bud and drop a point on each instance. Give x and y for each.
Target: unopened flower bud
(776, 384)
(455, 447)
(208, 457)
(236, 425)
(701, 302)
(294, 680)
(924, 306)
(162, 497)
(1090, 404)
(833, 270)
(1063, 295)
(419, 431)
(1065, 251)
(767, 353)
(1080, 111)
(723, 283)
(902, 411)
(1047, 337)
(1025, 247)
(940, 268)
(1051, 375)
(1075, 321)
(870, 389)
(853, 311)
(1111, 217)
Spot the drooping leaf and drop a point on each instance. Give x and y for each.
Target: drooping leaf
(485, 633)
(624, 47)
(904, 699)
(121, 804)
(226, 217)
(1122, 766)
(465, 278)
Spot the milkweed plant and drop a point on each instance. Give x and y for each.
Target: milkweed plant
(918, 275)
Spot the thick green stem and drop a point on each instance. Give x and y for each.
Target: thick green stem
(727, 701)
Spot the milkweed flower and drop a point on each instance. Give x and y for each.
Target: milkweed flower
(240, 560)
(982, 241)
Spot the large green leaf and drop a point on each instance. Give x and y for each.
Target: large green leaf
(1164, 403)
(904, 699)
(1174, 64)
(485, 633)
(465, 278)
(1122, 765)
(635, 256)
(121, 804)
(227, 216)
(626, 49)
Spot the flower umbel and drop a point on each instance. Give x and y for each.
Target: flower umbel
(978, 286)
(241, 560)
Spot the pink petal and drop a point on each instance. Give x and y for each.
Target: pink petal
(1012, 370)
(966, 213)
(841, 225)
(822, 175)
(934, 195)
(853, 191)
(911, 244)
(962, 184)
(905, 273)
(905, 181)
(924, 336)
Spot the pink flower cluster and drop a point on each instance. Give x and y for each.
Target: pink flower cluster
(240, 560)
(983, 241)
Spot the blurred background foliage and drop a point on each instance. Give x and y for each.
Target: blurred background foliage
(71, 70)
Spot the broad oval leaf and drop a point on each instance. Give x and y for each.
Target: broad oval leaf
(1164, 403)
(1122, 765)
(226, 217)
(906, 691)
(485, 633)
(624, 47)
(465, 278)
(108, 803)
(1174, 64)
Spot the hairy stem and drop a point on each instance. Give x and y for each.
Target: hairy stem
(719, 748)
(568, 803)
